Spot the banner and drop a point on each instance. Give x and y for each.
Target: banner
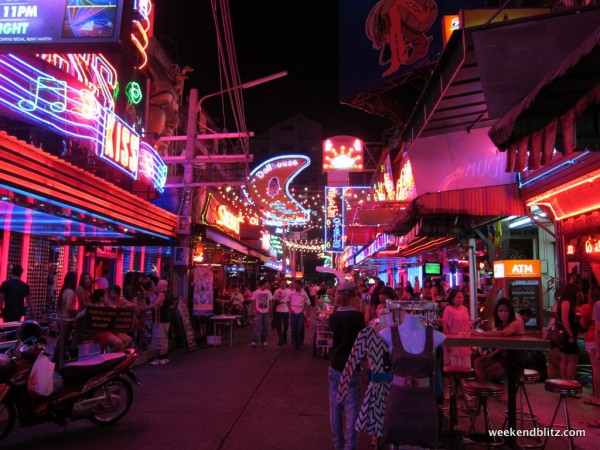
(203, 291)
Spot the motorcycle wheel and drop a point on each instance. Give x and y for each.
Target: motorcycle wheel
(106, 414)
(8, 416)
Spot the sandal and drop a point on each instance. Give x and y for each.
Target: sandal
(593, 423)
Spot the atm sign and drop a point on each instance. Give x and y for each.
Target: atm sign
(524, 268)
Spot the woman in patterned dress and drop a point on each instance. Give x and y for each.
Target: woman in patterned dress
(370, 345)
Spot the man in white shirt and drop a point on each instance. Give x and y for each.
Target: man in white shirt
(282, 312)
(262, 300)
(299, 304)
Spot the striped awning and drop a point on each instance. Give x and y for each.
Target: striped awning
(449, 212)
(488, 201)
(529, 131)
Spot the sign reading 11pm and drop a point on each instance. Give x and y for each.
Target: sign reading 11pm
(60, 21)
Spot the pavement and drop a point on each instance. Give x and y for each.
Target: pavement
(242, 398)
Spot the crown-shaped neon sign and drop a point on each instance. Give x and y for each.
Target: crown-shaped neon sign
(343, 153)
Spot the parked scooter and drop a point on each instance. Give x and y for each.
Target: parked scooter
(91, 388)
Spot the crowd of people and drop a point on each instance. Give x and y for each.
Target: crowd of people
(146, 294)
(362, 332)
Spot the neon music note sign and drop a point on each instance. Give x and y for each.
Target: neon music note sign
(56, 97)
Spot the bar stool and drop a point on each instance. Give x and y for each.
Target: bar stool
(566, 388)
(527, 376)
(455, 374)
(483, 390)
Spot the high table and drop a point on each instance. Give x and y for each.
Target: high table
(512, 344)
(224, 319)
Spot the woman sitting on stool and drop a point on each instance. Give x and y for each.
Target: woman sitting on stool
(495, 365)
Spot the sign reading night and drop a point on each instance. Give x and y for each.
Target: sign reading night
(269, 190)
(334, 219)
(60, 21)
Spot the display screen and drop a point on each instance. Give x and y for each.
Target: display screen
(50, 22)
(90, 19)
(433, 268)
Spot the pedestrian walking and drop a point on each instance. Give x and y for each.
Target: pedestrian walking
(14, 296)
(345, 323)
(282, 313)
(262, 299)
(299, 304)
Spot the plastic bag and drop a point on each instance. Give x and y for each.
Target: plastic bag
(40, 378)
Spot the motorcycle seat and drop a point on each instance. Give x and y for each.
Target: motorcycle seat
(92, 365)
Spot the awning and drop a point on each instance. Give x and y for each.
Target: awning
(529, 130)
(78, 197)
(485, 70)
(454, 213)
(578, 196)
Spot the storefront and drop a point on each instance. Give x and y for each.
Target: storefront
(55, 215)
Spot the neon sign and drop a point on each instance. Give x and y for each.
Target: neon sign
(75, 109)
(269, 190)
(121, 146)
(60, 22)
(592, 246)
(217, 214)
(334, 219)
(343, 153)
(405, 186)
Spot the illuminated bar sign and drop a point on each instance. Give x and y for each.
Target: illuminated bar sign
(81, 108)
(269, 190)
(121, 145)
(60, 22)
(381, 241)
(334, 219)
(343, 153)
(217, 214)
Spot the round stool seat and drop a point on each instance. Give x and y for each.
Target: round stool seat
(483, 388)
(565, 387)
(458, 371)
(529, 376)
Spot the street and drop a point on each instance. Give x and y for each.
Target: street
(241, 398)
(212, 398)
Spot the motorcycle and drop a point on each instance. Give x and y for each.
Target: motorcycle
(92, 388)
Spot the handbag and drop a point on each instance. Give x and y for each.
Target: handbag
(557, 335)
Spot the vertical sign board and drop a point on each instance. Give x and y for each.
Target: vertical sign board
(334, 219)
(203, 291)
(521, 281)
(184, 313)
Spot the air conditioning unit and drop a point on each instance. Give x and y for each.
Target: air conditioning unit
(181, 256)
(183, 224)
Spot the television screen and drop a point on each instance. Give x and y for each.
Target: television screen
(85, 19)
(433, 268)
(65, 25)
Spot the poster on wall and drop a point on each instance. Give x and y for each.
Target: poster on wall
(525, 293)
(203, 291)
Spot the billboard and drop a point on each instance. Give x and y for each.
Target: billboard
(384, 40)
(52, 22)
